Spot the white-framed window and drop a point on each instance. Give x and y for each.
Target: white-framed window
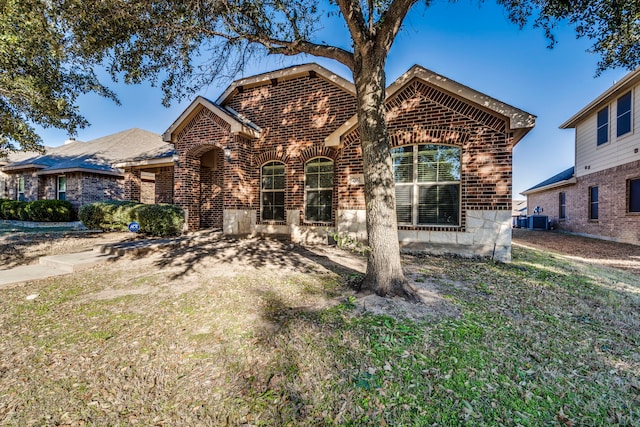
(603, 126)
(318, 186)
(427, 182)
(623, 120)
(562, 208)
(272, 191)
(21, 189)
(61, 187)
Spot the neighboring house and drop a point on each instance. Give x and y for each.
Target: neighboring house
(279, 153)
(600, 195)
(85, 172)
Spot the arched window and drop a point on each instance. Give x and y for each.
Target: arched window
(427, 184)
(272, 197)
(318, 178)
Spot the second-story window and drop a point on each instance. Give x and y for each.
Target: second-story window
(603, 126)
(623, 122)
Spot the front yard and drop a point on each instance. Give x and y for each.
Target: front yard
(262, 332)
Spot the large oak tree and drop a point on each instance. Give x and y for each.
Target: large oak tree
(185, 44)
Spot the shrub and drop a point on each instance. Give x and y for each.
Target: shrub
(12, 209)
(49, 211)
(160, 220)
(156, 220)
(109, 216)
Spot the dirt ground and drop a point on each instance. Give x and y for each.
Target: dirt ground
(585, 249)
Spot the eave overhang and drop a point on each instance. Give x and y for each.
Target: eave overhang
(237, 126)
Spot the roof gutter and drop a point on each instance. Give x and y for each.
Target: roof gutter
(569, 181)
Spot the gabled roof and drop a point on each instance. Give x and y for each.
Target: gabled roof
(99, 155)
(565, 177)
(283, 75)
(622, 86)
(520, 122)
(238, 123)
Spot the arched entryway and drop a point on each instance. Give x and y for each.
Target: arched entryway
(211, 180)
(199, 180)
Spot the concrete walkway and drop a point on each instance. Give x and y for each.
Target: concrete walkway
(57, 265)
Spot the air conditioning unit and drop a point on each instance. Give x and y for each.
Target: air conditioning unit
(538, 222)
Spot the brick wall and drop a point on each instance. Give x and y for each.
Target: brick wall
(204, 133)
(295, 117)
(614, 222)
(31, 185)
(164, 184)
(422, 114)
(132, 184)
(298, 114)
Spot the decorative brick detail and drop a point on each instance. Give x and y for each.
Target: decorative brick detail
(614, 222)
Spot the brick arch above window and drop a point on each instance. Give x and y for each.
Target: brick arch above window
(270, 156)
(317, 151)
(426, 135)
(438, 136)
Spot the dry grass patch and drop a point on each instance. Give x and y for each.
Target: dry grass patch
(215, 334)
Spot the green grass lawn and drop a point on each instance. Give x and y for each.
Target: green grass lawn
(539, 342)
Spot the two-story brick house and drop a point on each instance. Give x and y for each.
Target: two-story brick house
(279, 153)
(600, 195)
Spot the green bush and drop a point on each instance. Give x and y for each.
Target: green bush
(160, 220)
(49, 211)
(12, 209)
(156, 220)
(38, 210)
(109, 216)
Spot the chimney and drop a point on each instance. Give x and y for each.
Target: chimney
(70, 140)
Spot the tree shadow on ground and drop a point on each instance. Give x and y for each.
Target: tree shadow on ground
(256, 253)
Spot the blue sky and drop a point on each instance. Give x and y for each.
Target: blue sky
(474, 45)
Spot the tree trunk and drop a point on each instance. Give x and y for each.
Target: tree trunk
(384, 268)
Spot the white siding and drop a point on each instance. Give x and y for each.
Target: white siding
(591, 158)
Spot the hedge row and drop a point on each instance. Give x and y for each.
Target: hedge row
(38, 210)
(156, 220)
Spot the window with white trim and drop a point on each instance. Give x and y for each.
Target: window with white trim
(62, 187)
(318, 185)
(603, 126)
(272, 197)
(562, 209)
(623, 121)
(21, 189)
(427, 183)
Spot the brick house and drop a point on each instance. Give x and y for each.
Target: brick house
(85, 172)
(279, 153)
(600, 195)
